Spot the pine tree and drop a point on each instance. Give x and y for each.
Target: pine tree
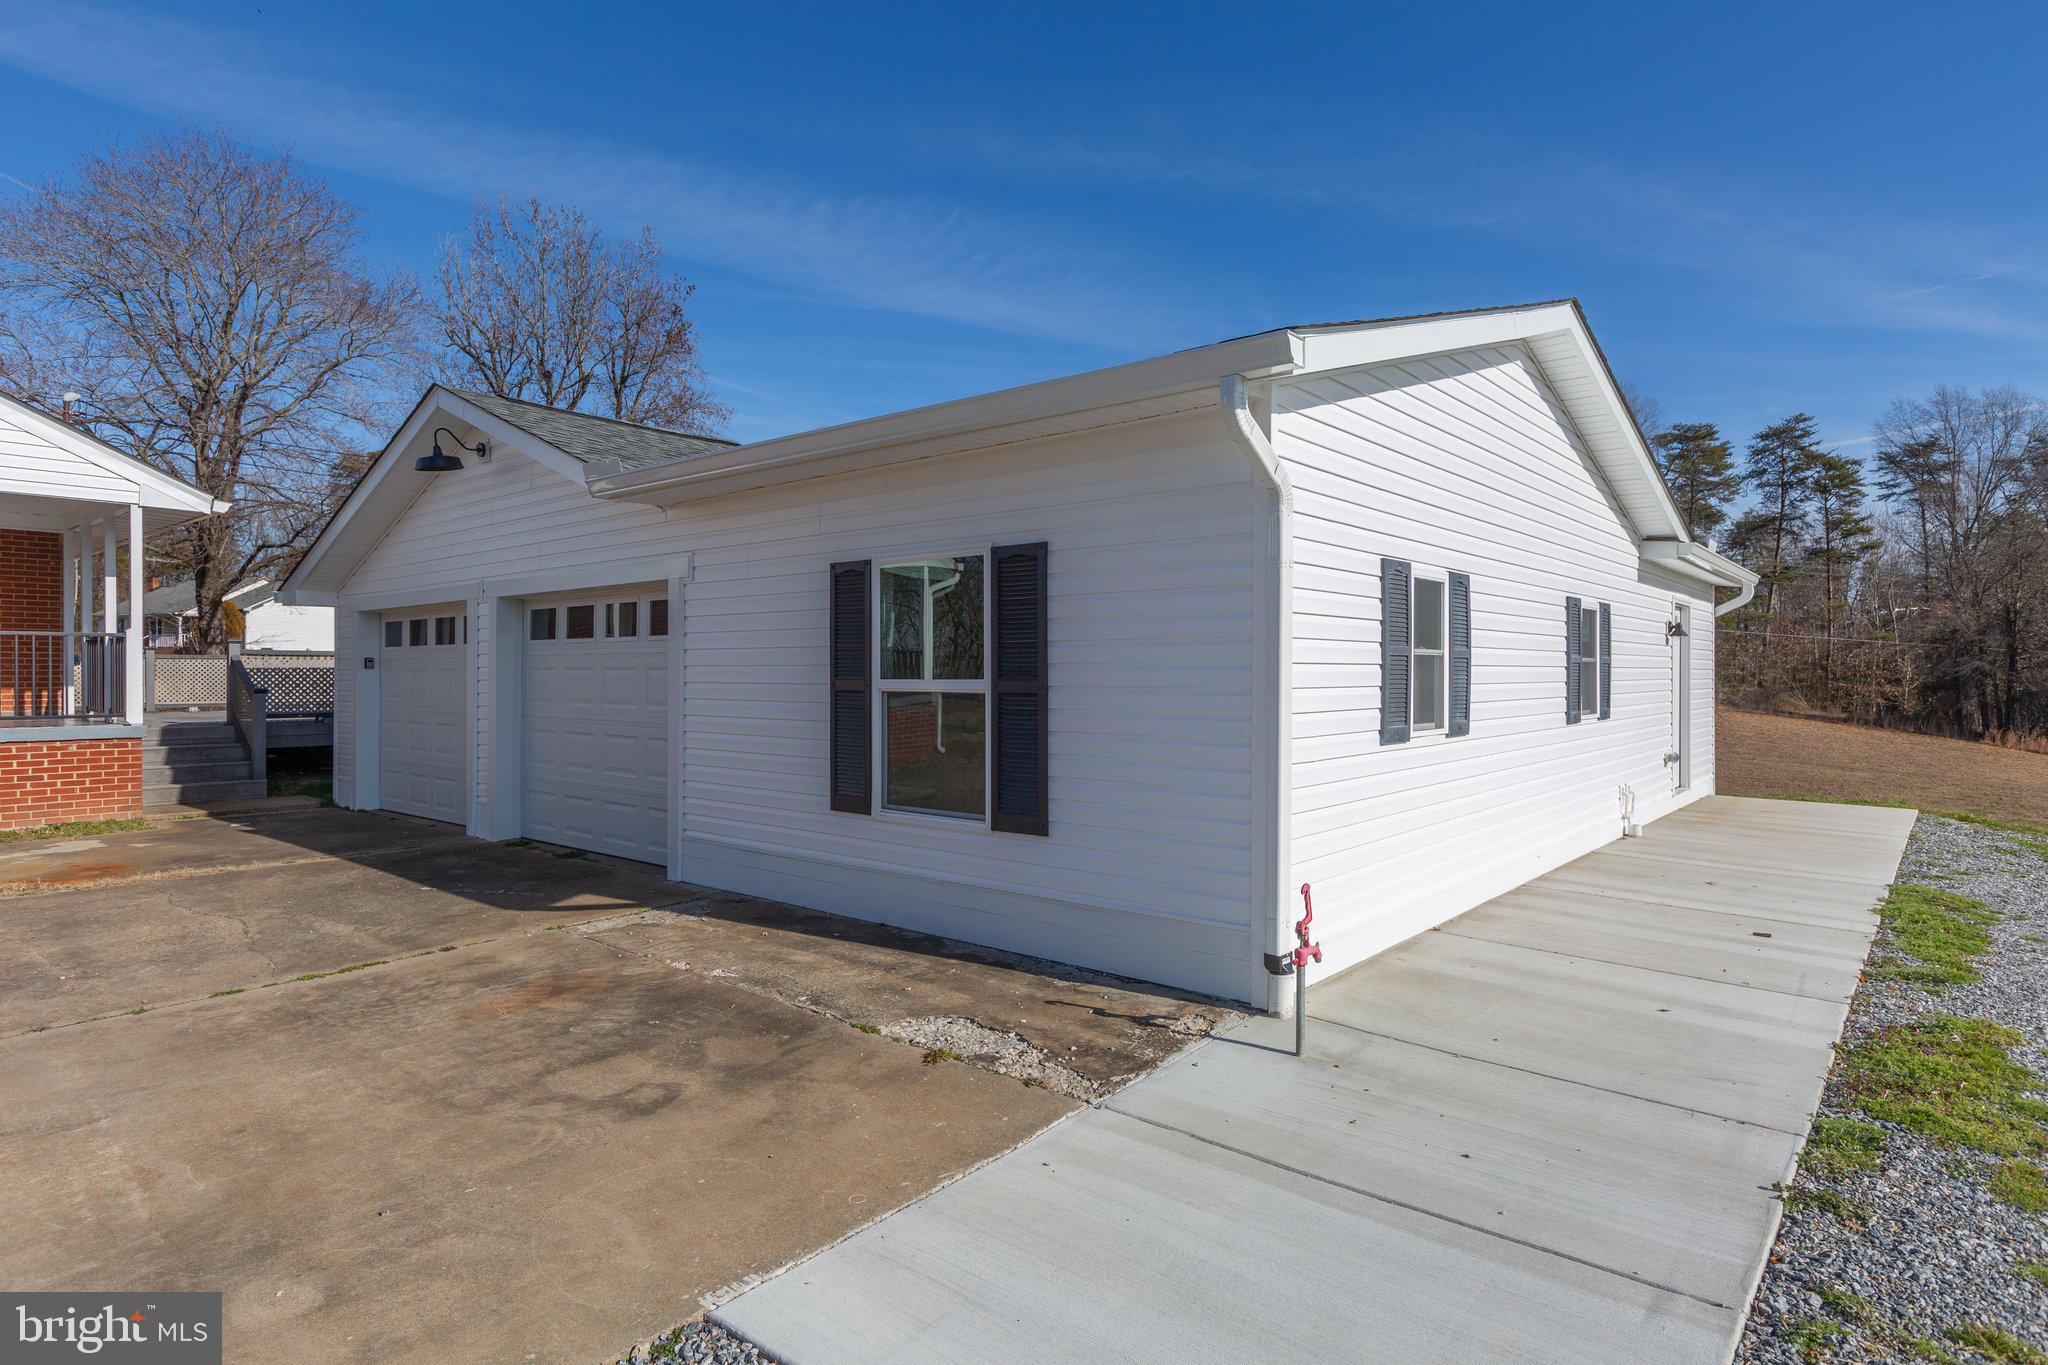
(1843, 537)
(1699, 469)
(1913, 472)
(1780, 467)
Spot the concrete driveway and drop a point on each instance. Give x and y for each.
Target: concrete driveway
(401, 1094)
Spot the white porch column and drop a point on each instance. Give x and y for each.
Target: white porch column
(71, 577)
(110, 604)
(131, 643)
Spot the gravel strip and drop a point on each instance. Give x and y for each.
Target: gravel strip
(1921, 1242)
(700, 1343)
(1009, 1053)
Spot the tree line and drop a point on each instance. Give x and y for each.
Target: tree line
(1909, 587)
(209, 309)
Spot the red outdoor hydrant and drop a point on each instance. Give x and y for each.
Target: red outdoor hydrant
(1305, 953)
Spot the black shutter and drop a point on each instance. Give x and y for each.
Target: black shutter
(852, 692)
(1019, 677)
(1606, 660)
(1571, 660)
(1397, 631)
(1461, 654)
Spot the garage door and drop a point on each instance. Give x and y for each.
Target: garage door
(596, 729)
(423, 714)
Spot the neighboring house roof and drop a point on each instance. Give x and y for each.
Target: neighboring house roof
(619, 461)
(632, 445)
(78, 476)
(176, 599)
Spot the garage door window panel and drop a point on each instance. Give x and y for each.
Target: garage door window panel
(582, 623)
(932, 627)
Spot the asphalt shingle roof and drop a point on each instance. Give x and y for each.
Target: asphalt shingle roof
(589, 438)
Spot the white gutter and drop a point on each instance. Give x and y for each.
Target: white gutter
(1273, 651)
(1696, 559)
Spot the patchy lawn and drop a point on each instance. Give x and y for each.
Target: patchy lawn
(1764, 755)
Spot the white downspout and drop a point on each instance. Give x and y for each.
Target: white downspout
(1741, 599)
(1272, 690)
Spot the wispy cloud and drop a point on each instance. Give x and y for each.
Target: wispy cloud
(919, 258)
(1815, 261)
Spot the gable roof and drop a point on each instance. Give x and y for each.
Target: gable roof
(624, 462)
(589, 438)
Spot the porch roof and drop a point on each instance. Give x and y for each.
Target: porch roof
(54, 476)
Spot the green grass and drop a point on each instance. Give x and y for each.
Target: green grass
(218, 994)
(1812, 1337)
(2021, 1184)
(1839, 1147)
(2036, 1271)
(1995, 1343)
(75, 829)
(1920, 1348)
(1949, 1079)
(1839, 1206)
(1939, 932)
(1849, 1307)
(319, 786)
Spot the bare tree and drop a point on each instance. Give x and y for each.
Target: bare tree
(209, 303)
(537, 304)
(1647, 411)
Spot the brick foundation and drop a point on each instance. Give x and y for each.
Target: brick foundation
(46, 782)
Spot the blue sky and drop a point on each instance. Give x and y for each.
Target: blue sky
(1763, 209)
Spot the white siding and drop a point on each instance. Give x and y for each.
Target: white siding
(31, 465)
(1148, 867)
(1467, 463)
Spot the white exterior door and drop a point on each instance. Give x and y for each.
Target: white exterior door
(423, 713)
(596, 726)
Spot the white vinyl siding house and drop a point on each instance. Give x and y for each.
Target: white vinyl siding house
(1020, 669)
(1464, 463)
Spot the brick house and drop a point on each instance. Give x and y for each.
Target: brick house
(73, 514)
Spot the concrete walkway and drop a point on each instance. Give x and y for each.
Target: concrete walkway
(1549, 1131)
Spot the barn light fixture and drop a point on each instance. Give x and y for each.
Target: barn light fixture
(438, 463)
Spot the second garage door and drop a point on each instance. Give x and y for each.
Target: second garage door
(596, 723)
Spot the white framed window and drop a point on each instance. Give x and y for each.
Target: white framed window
(416, 632)
(621, 620)
(444, 630)
(540, 623)
(931, 680)
(394, 635)
(1429, 669)
(580, 622)
(1590, 662)
(657, 616)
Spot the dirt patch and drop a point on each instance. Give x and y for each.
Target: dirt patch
(1765, 755)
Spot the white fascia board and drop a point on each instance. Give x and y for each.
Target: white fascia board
(436, 405)
(1097, 390)
(153, 487)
